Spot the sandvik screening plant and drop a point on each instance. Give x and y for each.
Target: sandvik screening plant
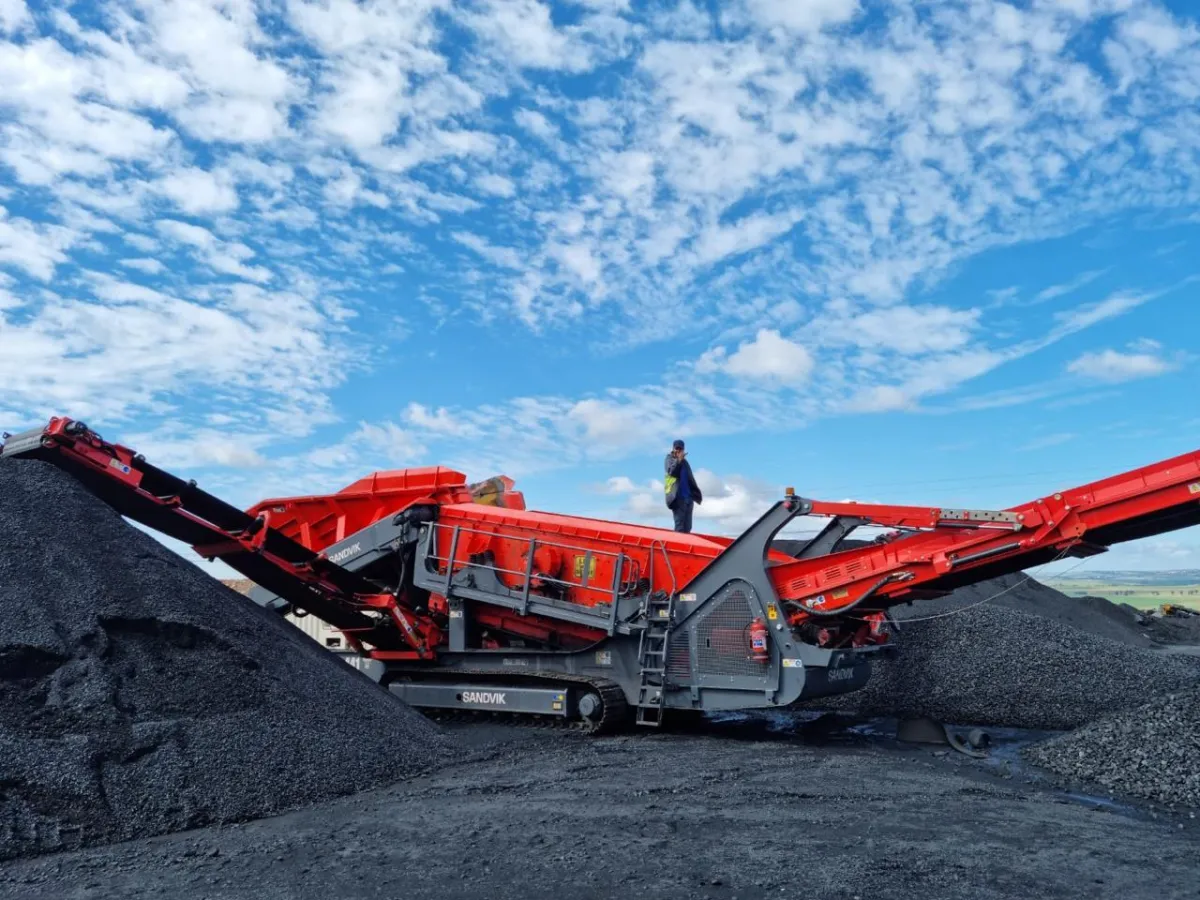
(473, 602)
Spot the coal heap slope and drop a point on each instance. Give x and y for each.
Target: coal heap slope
(1025, 594)
(991, 665)
(1152, 752)
(140, 696)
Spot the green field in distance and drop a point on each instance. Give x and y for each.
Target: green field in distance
(1142, 596)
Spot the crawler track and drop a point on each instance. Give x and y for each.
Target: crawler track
(615, 714)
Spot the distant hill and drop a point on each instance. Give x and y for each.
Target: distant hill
(1132, 577)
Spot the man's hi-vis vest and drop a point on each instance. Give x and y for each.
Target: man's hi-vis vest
(670, 484)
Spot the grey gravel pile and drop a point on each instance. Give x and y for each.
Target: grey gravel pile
(1152, 752)
(995, 666)
(139, 696)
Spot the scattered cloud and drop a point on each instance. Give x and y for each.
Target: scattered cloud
(810, 16)
(148, 266)
(14, 15)
(1144, 361)
(1093, 313)
(385, 444)
(197, 192)
(910, 330)
(1070, 287)
(768, 357)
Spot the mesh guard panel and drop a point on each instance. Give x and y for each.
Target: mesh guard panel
(679, 663)
(723, 637)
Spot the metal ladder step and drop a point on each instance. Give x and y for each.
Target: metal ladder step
(652, 652)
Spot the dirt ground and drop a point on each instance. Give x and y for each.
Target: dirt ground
(736, 809)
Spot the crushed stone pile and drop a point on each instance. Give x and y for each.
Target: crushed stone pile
(1151, 752)
(990, 665)
(139, 696)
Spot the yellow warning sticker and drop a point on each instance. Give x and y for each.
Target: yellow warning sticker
(1194, 488)
(772, 612)
(591, 569)
(840, 595)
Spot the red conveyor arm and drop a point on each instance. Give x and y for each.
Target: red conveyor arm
(216, 530)
(960, 547)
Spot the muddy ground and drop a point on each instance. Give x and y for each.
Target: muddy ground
(743, 809)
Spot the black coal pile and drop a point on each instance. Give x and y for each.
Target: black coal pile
(1178, 629)
(990, 665)
(1151, 752)
(139, 696)
(1021, 593)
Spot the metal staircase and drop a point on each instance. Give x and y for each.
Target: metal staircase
(652, 659)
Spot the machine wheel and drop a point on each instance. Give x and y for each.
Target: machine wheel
(591, 707)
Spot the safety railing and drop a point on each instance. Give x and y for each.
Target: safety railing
(626, 570)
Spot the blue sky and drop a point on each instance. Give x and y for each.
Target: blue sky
(944, 256)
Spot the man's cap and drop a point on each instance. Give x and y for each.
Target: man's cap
(678, 445)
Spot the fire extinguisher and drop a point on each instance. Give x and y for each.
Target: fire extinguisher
(758, 641)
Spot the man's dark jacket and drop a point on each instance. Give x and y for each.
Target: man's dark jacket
(679, 472)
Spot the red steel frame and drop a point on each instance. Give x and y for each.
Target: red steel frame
(936, 549)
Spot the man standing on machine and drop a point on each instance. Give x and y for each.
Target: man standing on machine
(682, 492)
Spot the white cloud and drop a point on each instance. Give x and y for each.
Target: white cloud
(496, 185)
(500, 256)
(14, 14)
(1115, 366)
(37, 249)
(440, 421)
(227, 258)
(536, 123)
(606, 423)
(1158, 31)
(720, 241)
(196, 235)
(236, 94)
(768, 357)
(197, 192)
(803, 15)
(1059, 290)
(910, 330)
(383, 445)
(522, 31)
(123, 347)
(579, 259)
(620, 484)
(880, 398)
(148, 266)
(1092, 314)
(201, 448)
(366, 102)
